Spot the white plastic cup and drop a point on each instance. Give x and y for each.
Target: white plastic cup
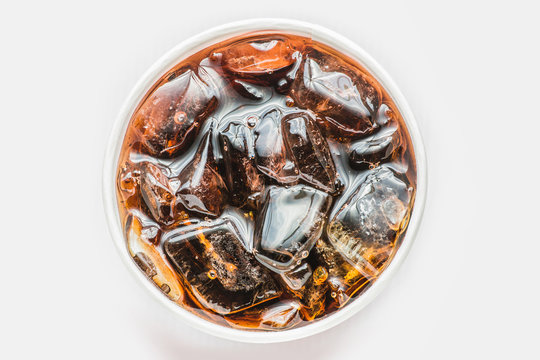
(195, 44)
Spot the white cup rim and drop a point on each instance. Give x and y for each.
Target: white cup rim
(195, 44)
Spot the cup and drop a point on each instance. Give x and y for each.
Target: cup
(195, 44)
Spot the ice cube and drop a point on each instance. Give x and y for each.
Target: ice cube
(273, 158)
(242, 176)
(366, 227)
(149, 260)
(283, 314)
(158, 194)
(313, 299)
(310, 287)
(264, 61)
(347, 101)
(221, 273)
(290, 221)
(310, 150)
(380, 147)
(128, 183)
(288, 147)
(202, 190)
(170, 117)
(344, 280)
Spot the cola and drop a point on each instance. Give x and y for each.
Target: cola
(265, 182)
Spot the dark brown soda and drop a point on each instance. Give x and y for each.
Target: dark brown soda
(265, 181)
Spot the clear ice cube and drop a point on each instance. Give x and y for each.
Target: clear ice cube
(201, 188)
(158, 194)
(309, 286)
(149, 260)
(347, 101)
(313, 299)
(289, 223)
(344, 280)
(273, 157)
(220, 272)
(265, 61)
(170, 118)
(241, 174)
(289, 147)
(310, 150)
(128, 183)
(366, 227)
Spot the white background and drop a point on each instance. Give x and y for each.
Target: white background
(470, 71)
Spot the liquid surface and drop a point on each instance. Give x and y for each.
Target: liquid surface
(265, 182)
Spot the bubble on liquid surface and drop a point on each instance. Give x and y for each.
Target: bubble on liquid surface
(366, 227)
